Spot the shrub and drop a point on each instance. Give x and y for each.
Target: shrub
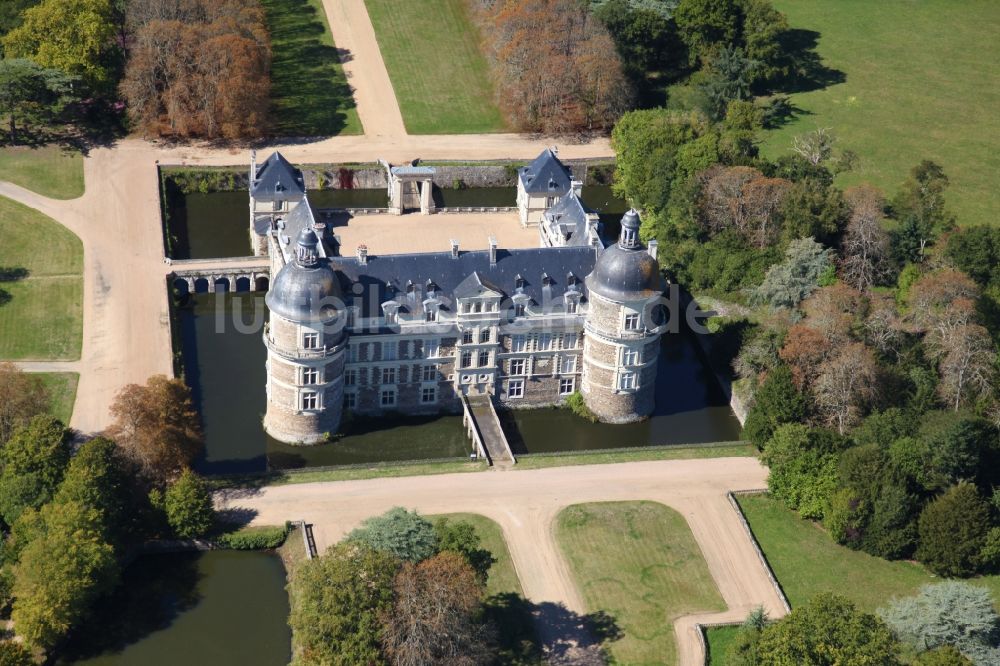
(776, 402)
(578, 406)
(405, 534)
(803, 464)
(953, 530)
(264, 537)
(15, 654)
(188, 504)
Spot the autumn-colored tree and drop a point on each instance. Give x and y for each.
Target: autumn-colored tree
(804, 350)
(967, 365)
(866, 242)
(835, 311)
(555, 65)
(847, 382)
(198, 68)
(743, 199)
(883, 326)
(157, 427)
(22, 396)
(434, 615)
(941, 302)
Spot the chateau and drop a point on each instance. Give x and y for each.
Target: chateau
(413, 333)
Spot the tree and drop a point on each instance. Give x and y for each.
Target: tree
(99, 478)
(816, 146)
(967, 365)
(805, 349)
(776, 402)
(705, 25)
(976, 252)
(866, 243)
(33, 461)
(157, 427)
(644, 35)
(433, 619)
(827, 631)
(10, 13)
(920, 205)
(940, 302)
(405, 534)
(337, 600)
(744, 650)
(803, 463)
(953, 530)
(73, 36)
(943, 656)
(743, 199)
(952, 613)
(15, 654)
(786, 284)
(763, 27)
(22, 396)
(61, 573)
(846, 384)
(460, 537)
(188, 505)
(813, 208)
(31, 94)
(731, 76)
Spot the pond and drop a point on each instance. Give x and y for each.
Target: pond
(691, 408)
(224, 608)
(217, 224)
(224, 366)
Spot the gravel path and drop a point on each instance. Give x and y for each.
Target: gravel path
(525, 504)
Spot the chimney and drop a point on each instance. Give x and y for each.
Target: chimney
(253, 167)
(363, 255)
(555, 150)
(454, 248)
(652, 245)
(493, 251)
(576, 186)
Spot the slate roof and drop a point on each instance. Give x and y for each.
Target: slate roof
(545, 175)
(569, 219)
(404, 277)
(277, 178)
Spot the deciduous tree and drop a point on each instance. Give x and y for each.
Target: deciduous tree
(803, 463)
(866, 243)
(34, 460)
(188, 505)
(846, 385)
(22, 396)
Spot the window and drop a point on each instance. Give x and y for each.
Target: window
(310, 375)
(431, 314)
(517, 366)
(429, 373)
(390, 315)
(467, 337)
(568, 364)
(545, 342)
(350, 400)
(570, 340)
(466, 360)
(518, 309)
(350, 377)
(626, 381)
(571, 306)
(515, 388)
(466, 307)
(632, 322)
(428, 395)
(390, 351)
(518, 343)
(484, 335)
(567, 386)
(310, 341)
(310, 400)
(630, 356)
(388, 375)
(477, 306)
(388, 398)
(352, 353)
(484, 359)
(432, 348)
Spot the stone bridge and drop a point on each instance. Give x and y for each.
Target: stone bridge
(220, 275)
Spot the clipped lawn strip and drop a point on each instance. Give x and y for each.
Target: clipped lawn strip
(48, 170)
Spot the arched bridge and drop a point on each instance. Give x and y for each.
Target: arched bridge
(219, 275)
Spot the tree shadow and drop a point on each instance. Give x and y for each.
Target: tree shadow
(10, 274)
(309, 92)
(808, 72)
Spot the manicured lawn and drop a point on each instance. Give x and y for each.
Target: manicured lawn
(503, 578)
(719, 639)
(727, 450)
(310, 95)
(62, 391)
(49, 171)
(638, 562)
(439, 74)
(807, 561)
(921, 82)
(41, 286)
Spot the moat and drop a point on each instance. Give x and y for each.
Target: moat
(224, 365)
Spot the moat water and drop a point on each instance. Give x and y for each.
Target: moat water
(216, 224)
(224, 365)
(224, 608)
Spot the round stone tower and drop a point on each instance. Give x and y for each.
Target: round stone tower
(621, 343)
(305, 342)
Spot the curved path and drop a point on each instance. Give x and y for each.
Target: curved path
(525, 504)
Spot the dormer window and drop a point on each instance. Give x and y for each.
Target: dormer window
(571, 306)
(430, 315)
(518, 309)
(546, 280)
(390, 310)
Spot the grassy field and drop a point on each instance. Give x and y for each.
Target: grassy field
(41, 286)
(62, 389)
(49, 171)
(921, 82)
(503, 578)
(638, 562)
(807, 561)
(719, 639)
(310, 95)
(440, 76)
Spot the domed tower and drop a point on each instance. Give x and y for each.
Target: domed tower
(305, 342)
(621, 342)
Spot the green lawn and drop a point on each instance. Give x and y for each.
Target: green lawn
(310, 95)
(639, 562)
(41, 286)
(807, 561)
(62, 392)
(726, 450)
(441, 79)
(921, 82)
(503, 578)
(719, 639)
(49, 170)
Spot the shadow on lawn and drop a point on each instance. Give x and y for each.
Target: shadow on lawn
(9, 274)
(309, 93)
(808, 72)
